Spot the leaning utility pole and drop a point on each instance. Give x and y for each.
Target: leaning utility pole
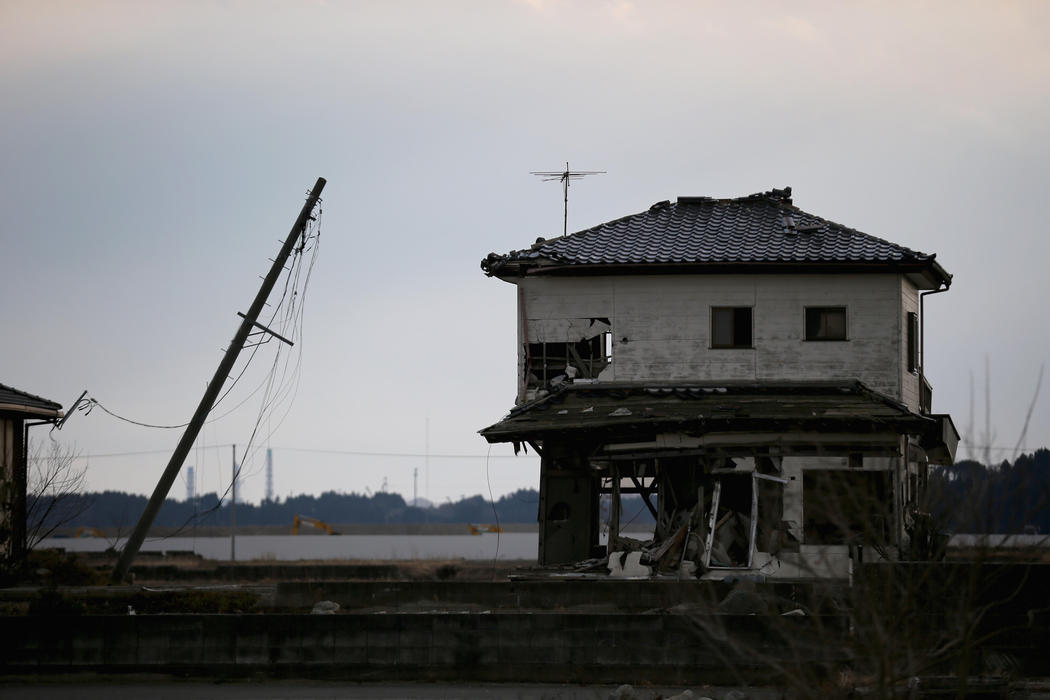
(249, 320)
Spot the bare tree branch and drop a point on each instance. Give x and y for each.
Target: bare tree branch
(1028, 416)
(54, 492)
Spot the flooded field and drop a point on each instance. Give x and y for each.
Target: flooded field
(510, 546)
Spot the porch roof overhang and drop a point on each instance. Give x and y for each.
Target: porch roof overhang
(626, 411)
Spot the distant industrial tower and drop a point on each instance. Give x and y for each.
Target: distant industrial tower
(191, 485)
(269, 474)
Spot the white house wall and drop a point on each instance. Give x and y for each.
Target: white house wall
(661, 325)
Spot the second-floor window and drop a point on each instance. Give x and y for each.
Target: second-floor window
(731, 327)
(587, 358)
(913, 341)
(825, 323)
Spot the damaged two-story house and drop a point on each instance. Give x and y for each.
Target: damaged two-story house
(752, 371)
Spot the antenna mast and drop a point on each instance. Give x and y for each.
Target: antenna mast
(565, 177)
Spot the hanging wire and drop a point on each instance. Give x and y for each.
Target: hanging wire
(290, 307)
(292, 323)
(495, 514)
(291, 279)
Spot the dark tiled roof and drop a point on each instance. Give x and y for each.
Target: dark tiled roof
(622, 410)
(13, 399)
(762, 229)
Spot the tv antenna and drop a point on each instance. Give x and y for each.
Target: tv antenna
(566, 176)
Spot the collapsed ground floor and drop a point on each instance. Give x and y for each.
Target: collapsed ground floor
(792, 481)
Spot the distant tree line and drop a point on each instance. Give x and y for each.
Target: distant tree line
(116, 509)
(119, 510)
(1011, 498)
(965, 497)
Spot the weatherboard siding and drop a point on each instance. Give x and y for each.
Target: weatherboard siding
(661, 325)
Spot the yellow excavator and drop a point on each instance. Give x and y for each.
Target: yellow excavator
(313, 522)
(478, 529)
(93, 531)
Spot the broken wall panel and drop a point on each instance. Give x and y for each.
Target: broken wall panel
(551, 330)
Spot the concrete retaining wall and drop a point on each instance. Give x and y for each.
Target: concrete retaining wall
(513, 647)
(578, 595)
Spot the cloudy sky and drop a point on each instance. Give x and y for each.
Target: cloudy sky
(153, 153)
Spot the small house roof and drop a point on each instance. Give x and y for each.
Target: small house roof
(15, 401)
(763, 230)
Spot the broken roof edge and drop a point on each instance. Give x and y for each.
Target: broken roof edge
(498, 432)
(738, 386)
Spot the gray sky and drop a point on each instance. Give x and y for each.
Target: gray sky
(154, 153)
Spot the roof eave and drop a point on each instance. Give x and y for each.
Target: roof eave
(511, 270)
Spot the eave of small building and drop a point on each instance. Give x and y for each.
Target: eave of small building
(18, 402)
(22, 410)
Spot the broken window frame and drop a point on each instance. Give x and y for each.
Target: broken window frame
(816, 323)
(638, 477)
(738, 326)
(716, 498)
(547, 360)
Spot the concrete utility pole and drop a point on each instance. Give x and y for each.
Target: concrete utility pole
(233, 508)
(269, 474)
(249, 320)
(987, 415)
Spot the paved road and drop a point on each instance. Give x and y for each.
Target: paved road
(108, 689)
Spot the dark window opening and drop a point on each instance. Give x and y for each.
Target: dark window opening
(546, 362)
(843, 507)
(560, 512)
(913, 341)
(731, 327)
(826, 323)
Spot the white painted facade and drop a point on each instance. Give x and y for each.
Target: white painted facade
(661, 326)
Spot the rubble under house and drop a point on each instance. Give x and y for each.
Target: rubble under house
(753, 372)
